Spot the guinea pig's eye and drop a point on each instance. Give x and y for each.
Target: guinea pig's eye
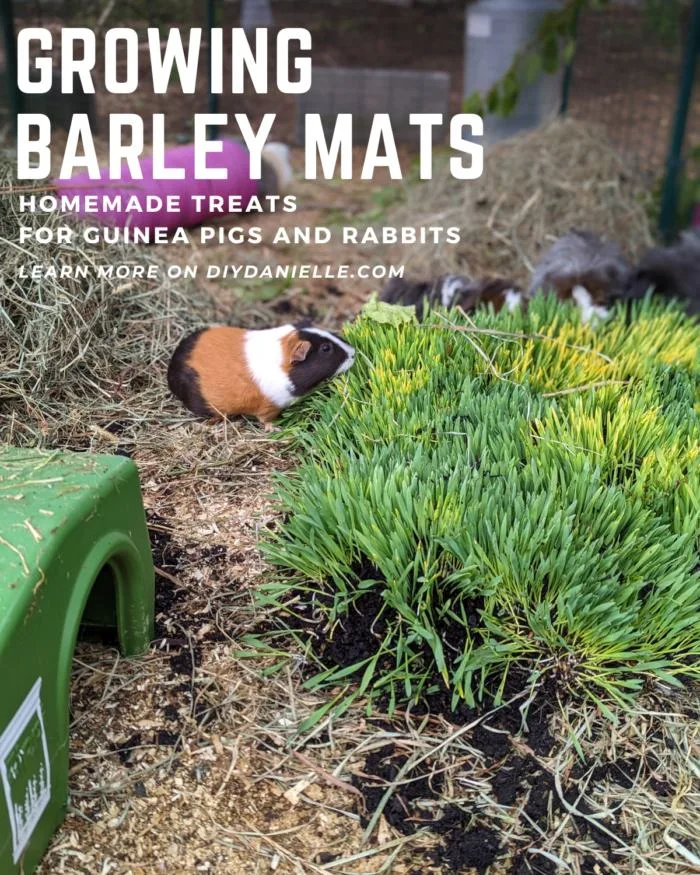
(326, 347)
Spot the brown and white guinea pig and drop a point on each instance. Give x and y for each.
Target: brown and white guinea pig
(452, 290)
(220, 371)
(492, 290)
(581, 267)
(673, 272)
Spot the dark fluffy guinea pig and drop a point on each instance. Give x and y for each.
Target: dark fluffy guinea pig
(582, 267)
(409, 293)
(221, 371)
(452, 290)
(673, 272)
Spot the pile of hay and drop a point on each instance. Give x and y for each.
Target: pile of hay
(534, 187)
(80, 355)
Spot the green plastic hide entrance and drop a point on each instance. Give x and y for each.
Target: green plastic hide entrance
(73, 551)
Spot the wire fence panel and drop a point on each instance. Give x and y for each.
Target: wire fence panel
(626, 75)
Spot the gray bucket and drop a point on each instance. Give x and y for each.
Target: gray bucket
(495, 31)
(256, 13)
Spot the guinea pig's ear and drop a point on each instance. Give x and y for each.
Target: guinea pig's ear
(300, 350)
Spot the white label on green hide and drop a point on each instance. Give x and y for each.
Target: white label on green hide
(25, 770)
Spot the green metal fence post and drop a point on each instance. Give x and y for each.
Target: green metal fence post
(674, 162)
(569, 70)
(213, 132)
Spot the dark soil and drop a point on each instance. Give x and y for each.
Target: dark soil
(468, 838)
(381, 768)
(358, 635)
(173, 557)
(493, 742)
(463, 846)
(178, 628)
(539, 736)
(622, 772)
(533, 864)
(507, 782)
(178, 624)
(476, 849)
(157, 737)
(590, 866)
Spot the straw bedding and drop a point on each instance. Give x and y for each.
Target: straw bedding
(76, 353)
(534, 187)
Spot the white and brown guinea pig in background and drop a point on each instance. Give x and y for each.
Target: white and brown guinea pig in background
(452, 290)
(220, 371)
(581, 267)
(673, 272)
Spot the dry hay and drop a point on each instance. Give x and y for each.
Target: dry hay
(79, 353)
(534, 187)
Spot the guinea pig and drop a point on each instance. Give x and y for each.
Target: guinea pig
(581, 267)
(452, 290)
(409, 293)
(673, 272)
(493, 290)
(220, 371)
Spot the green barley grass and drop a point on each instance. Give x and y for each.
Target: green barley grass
(520, 495)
